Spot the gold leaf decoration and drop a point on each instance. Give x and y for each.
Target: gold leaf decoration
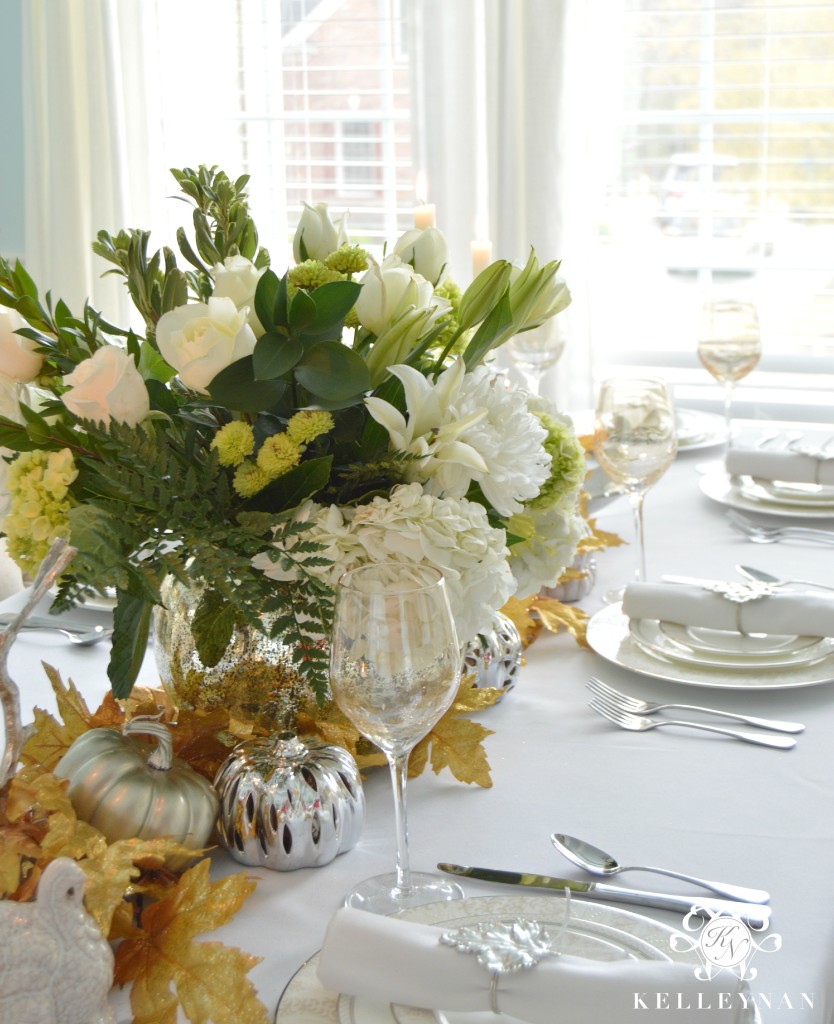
(519, 612)
(556, 616)
(457, 743)
(168, 967)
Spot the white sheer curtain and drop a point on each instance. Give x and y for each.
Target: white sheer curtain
(530, 86)
(88, 147)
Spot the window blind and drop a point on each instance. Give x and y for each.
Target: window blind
(716, 169)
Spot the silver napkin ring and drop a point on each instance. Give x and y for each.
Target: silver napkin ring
(740, 594)
(505, 946)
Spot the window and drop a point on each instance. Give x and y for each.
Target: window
(719, 185)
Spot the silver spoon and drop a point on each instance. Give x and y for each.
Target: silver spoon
(764, 577)
(598, 862)
(79, 637)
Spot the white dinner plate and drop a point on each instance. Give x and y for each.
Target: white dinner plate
(783, 490)
(695, 645)
(765, 490)
(596, 931)
(697, 430)
(719, 486)
(609, 634)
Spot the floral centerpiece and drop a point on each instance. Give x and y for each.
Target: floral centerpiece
(264, 432)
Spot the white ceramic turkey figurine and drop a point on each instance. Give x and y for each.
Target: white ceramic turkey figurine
(55, 965)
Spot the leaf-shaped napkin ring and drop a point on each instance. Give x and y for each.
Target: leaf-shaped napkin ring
(503, 947)
(741, 593)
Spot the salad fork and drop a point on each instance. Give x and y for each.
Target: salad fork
(607, 694)
(771, 534)
(637, 723)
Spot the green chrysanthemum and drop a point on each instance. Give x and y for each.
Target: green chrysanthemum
(277, 455)
(567, 465)
(348, 259)
(351, 319)
(311, 274)
(308, 424)
(249, 480)
(233, 443)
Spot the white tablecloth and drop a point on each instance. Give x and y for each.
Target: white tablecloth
(685, 800)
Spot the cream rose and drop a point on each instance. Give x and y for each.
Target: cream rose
(18, 359)
(426, 249)
(387, 290)
(107, 387)
(236, 278)
(318, 232)
(201, 339)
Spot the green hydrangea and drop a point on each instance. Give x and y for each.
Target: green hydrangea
(308, 424)
(311, 274)
(233, 442)
(567, 465)
(449, 290)
(38, 483)
(348, 259)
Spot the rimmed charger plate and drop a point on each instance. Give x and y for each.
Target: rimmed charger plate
(595, 930)
(695, 645)
(721, 487)
(609, 634)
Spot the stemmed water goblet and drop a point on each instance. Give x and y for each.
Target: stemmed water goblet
(635, 442)
(533, 352)
(394, 670)
(729, 346)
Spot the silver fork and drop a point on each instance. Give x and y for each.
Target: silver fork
(607, 694)
(636, 723)
(771, 534)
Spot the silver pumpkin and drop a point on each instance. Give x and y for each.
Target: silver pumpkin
(287, 804)
(493, 657)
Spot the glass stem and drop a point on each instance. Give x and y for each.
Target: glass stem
(728, 405)
(636, 499)
(398, 763)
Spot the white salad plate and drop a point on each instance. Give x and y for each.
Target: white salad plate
(802, 495)
(697, 430)
(719, 486)
(697, 645)
(595, 931)
(610, 635)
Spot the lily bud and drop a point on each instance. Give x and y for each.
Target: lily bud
(484, 294)
(426, 249)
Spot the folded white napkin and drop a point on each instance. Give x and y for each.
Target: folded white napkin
(790, 466)
(782, 613)
(390, 960)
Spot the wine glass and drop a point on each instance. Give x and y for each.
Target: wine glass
(635, 442)
(535, 351)
(394, 670)
(729, 346)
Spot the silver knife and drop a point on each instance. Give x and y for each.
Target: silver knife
(753, 914)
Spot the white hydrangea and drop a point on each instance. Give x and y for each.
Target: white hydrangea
(550, 536)
(450, 533)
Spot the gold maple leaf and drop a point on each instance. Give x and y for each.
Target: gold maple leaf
(19, 847)
(456, 743)
(555, 616)
(168, 967)
(518, 612)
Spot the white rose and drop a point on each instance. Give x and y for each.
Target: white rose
(387, 290)
(18, 359)
(201, 339)
(426, 249)
(236, 278)
(107, 386)
(321, 236)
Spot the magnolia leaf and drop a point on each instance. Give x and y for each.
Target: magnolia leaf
(456, 744)
(167, 966)
(519, 613)
(236, 388)
(275, 354)
(266, 294)
(302, 312)
(332, 371)
(132, 622)
(213, 624)
(556, 616)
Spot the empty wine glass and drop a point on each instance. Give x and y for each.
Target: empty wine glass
(635, 442)
(394, 670)
(533, 352)
(729, 346)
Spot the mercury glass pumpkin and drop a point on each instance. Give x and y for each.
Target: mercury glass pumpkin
(493, 656)
(287, 804)
(127, 788)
